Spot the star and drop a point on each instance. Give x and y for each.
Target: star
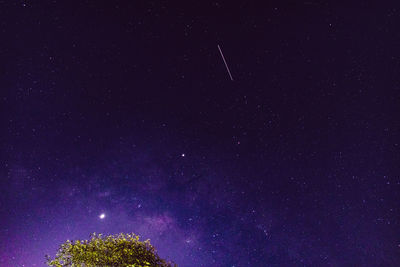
(102, 216)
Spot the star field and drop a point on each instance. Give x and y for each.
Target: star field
(120, 116)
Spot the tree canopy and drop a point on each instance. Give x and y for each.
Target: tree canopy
(112, 250)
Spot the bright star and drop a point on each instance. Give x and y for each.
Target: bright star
(102, 216)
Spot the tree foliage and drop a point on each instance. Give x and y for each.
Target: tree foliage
(113, 250)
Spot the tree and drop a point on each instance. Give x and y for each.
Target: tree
(113, 250)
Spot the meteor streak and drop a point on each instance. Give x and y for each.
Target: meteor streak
(226, 65)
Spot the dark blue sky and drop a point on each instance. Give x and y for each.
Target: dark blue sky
(126, 108)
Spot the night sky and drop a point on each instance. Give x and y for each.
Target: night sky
(126, 109)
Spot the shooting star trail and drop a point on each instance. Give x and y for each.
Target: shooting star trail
(226, 65)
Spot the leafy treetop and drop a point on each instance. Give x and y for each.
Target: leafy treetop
(112, 250)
